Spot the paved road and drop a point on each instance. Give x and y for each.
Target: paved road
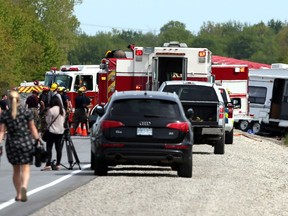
(45, 187)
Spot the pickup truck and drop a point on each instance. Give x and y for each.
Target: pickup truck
(208, 121)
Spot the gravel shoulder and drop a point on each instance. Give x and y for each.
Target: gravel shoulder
(249, 179)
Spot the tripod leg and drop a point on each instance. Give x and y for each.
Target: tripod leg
(74, 153)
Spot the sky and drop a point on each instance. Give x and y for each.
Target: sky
(151, 15)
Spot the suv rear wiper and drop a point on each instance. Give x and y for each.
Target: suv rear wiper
(152, 116)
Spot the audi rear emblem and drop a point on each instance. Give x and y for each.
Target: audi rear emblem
(145, 123)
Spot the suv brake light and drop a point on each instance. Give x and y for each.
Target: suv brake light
(106, 124)
(182, 126)
(230, 110)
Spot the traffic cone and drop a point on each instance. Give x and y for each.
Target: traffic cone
(84, 130)
(72, 130)
(79, 129)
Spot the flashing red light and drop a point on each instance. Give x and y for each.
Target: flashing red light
(74, 69)
(106, 124)
(139, 52)
(202, 53)
(167, 146)
(53, 68)
(182, 126)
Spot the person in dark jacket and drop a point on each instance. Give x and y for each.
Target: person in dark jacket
(82, 104)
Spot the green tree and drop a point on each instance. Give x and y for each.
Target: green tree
(175, 31)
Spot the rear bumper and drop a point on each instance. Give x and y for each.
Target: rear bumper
(143, 156)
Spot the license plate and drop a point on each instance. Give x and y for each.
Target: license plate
(144, 131)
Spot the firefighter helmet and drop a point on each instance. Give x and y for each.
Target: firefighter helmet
(61, 89)
(45, 88)
(54, 86)
(82, 89)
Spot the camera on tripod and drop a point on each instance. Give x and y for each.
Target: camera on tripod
(70, 149)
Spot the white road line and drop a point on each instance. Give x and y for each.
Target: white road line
(11, 201)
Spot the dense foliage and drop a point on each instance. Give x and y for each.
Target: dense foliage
(36, 35)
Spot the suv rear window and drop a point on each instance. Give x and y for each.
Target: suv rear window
(193, 92)
(145, 107)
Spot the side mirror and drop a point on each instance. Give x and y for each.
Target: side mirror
(100, 110)
(190, 113)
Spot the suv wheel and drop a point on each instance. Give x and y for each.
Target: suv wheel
(100, 167)
(185, 169)
(92, 161)
(229, 137)
(220, 145)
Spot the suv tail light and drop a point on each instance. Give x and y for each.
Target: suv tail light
(182, 126)
(230, 110)
(106, 124)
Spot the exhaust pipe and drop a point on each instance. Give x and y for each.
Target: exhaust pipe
(118, 157)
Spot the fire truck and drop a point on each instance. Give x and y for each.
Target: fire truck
(72, 77)
(147, 67)
(235, 79)
(25, 89)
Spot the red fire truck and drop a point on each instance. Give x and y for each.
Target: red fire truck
(145, 68)
(140, 68)
(235, 79)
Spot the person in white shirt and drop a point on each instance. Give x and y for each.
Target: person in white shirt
(55, 119)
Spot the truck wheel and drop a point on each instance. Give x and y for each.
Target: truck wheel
(100, 168)
(185, 169)
(229, 137)
(256, 127)
(244, 125)
(220, 146)
(92, 161)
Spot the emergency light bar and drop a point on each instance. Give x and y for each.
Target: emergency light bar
(70, 69)
(53, 69)
(168, 53)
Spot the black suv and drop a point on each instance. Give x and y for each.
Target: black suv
(142, 128)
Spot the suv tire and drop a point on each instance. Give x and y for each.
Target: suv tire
(185, 169)
(100, 168)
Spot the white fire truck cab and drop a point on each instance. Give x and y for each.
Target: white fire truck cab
(72, 77)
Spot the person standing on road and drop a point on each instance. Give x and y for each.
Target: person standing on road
(55, 119)
(3, 103)
(44, 106)
(19, 144)
(32, 103)
(81, 107)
